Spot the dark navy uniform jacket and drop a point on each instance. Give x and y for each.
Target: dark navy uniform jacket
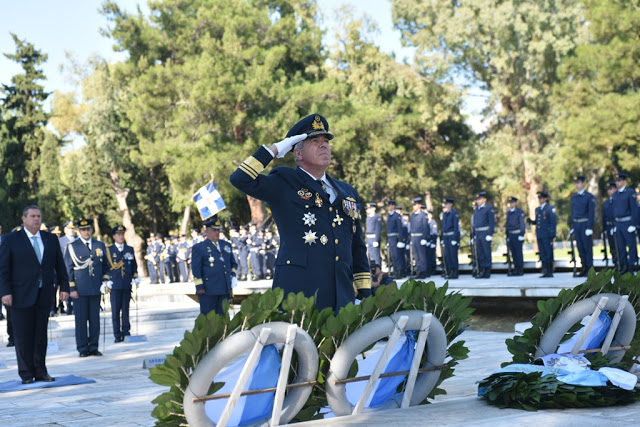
(624, 206)
(321, 245)
(213, 267)
(607, 214)
(451, 224)
(122, 267)
(419, 225)
(86, 281)
(484, 218)
(394, 228)
(374, 227)
(515, 222)
(546, 221)
(583, 206)
(433, 231)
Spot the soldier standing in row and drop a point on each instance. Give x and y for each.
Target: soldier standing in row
(419, 229)
(625, 217)
(450, 236)
(182, 258)
(374, 234)
(583, 207)
(484, 222)
(396, 240)
(432, 243)
(515, 228)
(243, 247)
(270, 245)
(608, 221)
(546, 222)
(255, 242)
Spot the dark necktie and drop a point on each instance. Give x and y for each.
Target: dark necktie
(321, 182)
(89, 246)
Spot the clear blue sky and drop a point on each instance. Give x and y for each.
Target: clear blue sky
(57, 27)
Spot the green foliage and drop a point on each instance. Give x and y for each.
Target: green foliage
(327, 329)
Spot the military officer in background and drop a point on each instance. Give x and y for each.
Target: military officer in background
(419, 230)
(214, 269)
(123, 273)
(484, 222)
(546, 222)
(432, 242)
(608, 221)
(150, 256)
(515, 229)
(165, 259)
(69, 236)
(243, 249)
(407, 238)
(88, 269)
(396, 239)
(374, 234)
(322, 251)
(254, 242)
(270, 245)
(182, 258)
(450, 236)
(583, 207)
(625, 213)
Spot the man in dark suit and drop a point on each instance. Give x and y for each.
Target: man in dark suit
(31, 264)
(322, 251)
(88, 268)
(123, 272)
(214, 269)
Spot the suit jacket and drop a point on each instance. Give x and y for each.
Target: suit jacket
(122, 266)
(21, 273)
(87, 281)
(213, 268)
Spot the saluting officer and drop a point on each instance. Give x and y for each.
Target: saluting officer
(419, 230)
(396, 239)
(123, 273)
(450, 236)
(546, 222)
(609, 221)
(322, 252)
(374, 234)
(583, 207)
(484, 223)
(625, 216)
(214, 269)
(88, 269)
(515, 228)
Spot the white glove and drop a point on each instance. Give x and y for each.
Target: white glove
(588, 232)
(286, 144)
(104, 286)
(135, 282)
(234, 282)
(454, 242)
(433, 246)
(571, 231)
(631, 229)
(423, 242)
(613, 230)
(470, 242)
(521, 238)
(376, 244)
(400, 245)
(489, 238)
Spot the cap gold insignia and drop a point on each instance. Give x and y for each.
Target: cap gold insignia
(317, 123)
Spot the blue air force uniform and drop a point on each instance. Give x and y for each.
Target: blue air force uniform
(546, 222)
(374, 235)
(395, 236)
(451, 240)
(123, 269)
(484, 223)
(419, 231)
(583, 207)
(625, 215)
(515, 228)
(254, 242)
(214, 268)
(87, 269)
(322, 251)
(609, 224)
(432, 242)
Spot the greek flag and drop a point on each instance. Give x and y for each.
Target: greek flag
(209, 201)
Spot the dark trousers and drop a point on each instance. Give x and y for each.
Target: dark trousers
(9, 324)
(483, 249)
(397, 254)
(431, 257)
(419, 254)
(585, 244)
(545, 247)
(242, 262)
(184, 272)
(374, 253)
(168, 271)
(87, 310)
(211, 302)
(256, 263)
(120, 299)
(613, 252)
(30, 336)
(516, 250)
(626, 244)
(451, 253)
(153, 273)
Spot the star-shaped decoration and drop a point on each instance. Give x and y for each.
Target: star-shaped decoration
(310, 237)
(338, 219)
(309, 219)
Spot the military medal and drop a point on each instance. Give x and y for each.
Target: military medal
(304, 193)
(211, 260)
(318, 200)
(324, 239)
(309, 219)
(309, 237)
(350, 207)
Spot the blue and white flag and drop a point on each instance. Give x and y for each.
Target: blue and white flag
(209, 201)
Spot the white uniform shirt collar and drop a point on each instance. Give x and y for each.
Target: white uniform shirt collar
(330, 190)
(581, 192)
(622, 189)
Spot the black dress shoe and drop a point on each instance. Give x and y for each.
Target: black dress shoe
(119, 339)
(84, 353)
(29, 381)
(46, 378)
(11, 344)
(95, 353)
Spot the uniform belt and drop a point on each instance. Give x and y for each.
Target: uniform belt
(514, 231)
(392, 234)
(623, 218)
(578, 220)
(416, 234)
(609, 223)
(371, 236)
(482, 228)
(449, 233)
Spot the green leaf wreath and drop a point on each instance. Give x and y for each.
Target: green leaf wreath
(533, 391)
(327, 329)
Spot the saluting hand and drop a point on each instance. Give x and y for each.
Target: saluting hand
(283, 147)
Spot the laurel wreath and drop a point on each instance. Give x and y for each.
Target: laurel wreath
(326, 328)
(533, 391)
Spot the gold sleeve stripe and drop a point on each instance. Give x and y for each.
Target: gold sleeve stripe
(254, 164)
(244, 168)
(197, 281)
(358, 276)
(362, 283)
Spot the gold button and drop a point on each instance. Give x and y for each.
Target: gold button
(288, 262)
(330, 209)
(306, 206)
(336, 241)
(337, 258)
(333, 224)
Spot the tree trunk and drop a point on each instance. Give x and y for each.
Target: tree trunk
(152, 195)
(96, 227)
(257, 210)
(130, 235)
(186, 217)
